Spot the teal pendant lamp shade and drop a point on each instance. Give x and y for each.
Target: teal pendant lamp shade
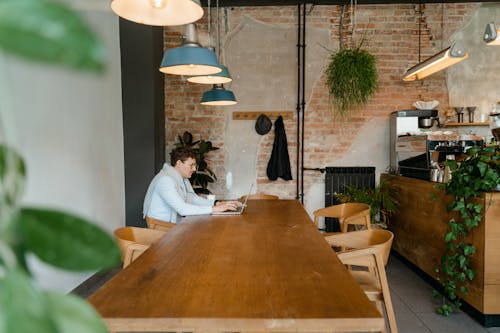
(218, 78)
(218, 96)
(158, 12)
(190, 58)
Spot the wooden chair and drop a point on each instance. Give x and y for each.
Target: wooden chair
(158, 224)
(134, 241)
(347, 213)
(369, 249)
(260, 196)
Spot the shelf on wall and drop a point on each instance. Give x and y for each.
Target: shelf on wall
(449, 124)
(252, 115)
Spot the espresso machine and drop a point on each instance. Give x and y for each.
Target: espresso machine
(414, 152)
(408, 143)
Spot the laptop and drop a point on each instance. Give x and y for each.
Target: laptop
(238, 210)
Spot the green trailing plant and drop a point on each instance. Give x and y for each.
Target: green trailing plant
(51, 33)
(383, 199)
(352, 78)
(203, 175)
(477, 174)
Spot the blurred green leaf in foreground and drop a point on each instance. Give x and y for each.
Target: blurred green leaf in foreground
(49, 32)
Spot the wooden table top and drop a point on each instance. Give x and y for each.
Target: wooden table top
(266, 270)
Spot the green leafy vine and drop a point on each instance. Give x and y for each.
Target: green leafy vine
(477, 174)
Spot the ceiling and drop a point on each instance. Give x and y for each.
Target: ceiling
(240, 3)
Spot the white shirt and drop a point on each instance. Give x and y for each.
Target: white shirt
(169, 197)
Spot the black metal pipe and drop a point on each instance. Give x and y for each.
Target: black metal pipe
(297, 192)
(303, 103)
(322, 170)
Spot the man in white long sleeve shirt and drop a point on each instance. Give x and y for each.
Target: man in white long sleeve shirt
(170, 195)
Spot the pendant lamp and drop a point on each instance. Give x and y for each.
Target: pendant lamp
(218, 78)
(492, 34)
(223, 76)
(158, 12)
(190, 58)
(218, 96)
(444, 59)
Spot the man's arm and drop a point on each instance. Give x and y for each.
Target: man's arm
(168, 193)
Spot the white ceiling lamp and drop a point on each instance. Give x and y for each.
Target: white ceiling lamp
(491, 34)
(158, 12)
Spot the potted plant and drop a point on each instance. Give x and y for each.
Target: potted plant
(203, 175)
(479, 172)
(383, 200)
(352, 76)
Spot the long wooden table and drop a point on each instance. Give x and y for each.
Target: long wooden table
(267, 270)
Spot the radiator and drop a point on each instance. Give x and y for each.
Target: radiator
(336, 181)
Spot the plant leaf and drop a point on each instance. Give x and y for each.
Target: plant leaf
(12, 176)
(23, 308)
(67, 241)
(48, 31)
(72, 314)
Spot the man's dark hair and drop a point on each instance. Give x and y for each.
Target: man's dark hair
(181, 154)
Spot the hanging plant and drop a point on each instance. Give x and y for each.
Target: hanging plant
(352, 78)
(478, 173)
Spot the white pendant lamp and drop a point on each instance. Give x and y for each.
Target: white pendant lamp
(158, 12)
(190, 58)
(492, 34)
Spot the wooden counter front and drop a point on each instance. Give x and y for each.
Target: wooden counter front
(420, 226)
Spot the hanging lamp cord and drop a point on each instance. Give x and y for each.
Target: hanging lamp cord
(420, 16)
(209, 26)
(218, 29)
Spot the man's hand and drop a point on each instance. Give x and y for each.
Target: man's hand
(230, 202)
(223, 206)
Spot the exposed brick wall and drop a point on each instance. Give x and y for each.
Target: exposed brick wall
(392, 32)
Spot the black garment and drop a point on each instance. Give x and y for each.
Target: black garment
(279, 164)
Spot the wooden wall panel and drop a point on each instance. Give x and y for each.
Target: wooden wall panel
(420, 226)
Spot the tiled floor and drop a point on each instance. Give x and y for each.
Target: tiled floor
(414, 305)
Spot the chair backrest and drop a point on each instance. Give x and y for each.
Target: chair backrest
(133, 241)
(371, 257)
(379, 239)
(347, 213)
(260, 196)
(158, 224)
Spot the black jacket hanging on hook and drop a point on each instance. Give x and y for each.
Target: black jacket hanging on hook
(279, 164)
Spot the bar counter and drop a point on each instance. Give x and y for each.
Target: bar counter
(419, 228)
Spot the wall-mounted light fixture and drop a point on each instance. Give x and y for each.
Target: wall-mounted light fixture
(218, 96)
(444, 59)
(190, 58)
(491, 34)
(158, 12)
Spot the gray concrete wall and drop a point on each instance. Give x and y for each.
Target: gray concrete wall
(68, 127)
(476, 81)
